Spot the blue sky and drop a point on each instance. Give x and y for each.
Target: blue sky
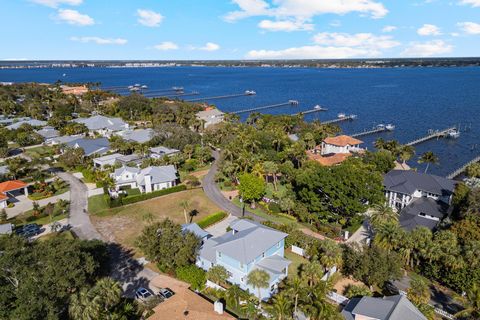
(238, 29)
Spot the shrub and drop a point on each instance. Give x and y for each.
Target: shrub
(196, 277)
(211, 219)
(354, 291)
(274, 207)
(144, 196)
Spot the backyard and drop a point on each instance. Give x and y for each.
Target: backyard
(124, 224)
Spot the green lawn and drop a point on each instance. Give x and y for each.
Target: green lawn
(261, 213)
(97, 204)
(66, 235)
(40, 152)
(297, 260)
(21, 219)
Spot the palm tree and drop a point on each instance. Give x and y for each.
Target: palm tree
(429, 158)
(406, 153)
(331, 254)
(379, 143)
(217, 274)
(309, 141)
(185, 204)
(419, 291)
(473, 297)
(295, 288)
(281, 307)
(84, 306)
(313, 272)
(382, 214)
(271, 169)
(258, 279)
(110, 292)
(233, 295)
(389, 235)
(250, 309)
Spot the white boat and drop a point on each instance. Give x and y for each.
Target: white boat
(454, 133)
(317, 107)
(136, 85)
(177, 88)
(380, 126)
(130, 87)
(250, 93)
(135, 89)
(390, 127)
(144, 87)
(353, 116)
(341, 115)
(64, 75)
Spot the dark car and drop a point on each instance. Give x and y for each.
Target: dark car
(143, 294)
(165, 293)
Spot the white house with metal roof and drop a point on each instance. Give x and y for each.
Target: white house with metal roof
(160, 152)
(31, 122)
(146, 180)
(91, 146)
(102, 125)
(139, 135)
(108, 160)
(247, 247)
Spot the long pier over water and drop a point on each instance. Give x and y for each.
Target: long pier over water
(221, 97)
(365, 133)
(340, 119)
(463, 168)
(290, 102)
(435, 134)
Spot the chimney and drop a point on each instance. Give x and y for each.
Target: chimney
(148, 183)
(218, 307)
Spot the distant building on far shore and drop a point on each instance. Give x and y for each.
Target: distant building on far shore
(75, 90)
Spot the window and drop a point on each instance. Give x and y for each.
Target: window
(263, 255)
(242, 279)
(278, 244)
(241, 265)
(219, 254)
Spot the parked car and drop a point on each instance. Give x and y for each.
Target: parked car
(143, 294)
(28, 230)
(165, 293)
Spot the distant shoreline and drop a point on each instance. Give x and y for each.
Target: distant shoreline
(340, 64)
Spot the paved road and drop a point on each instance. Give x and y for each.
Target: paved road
(211, 190)
(79, 218)
(23, 203)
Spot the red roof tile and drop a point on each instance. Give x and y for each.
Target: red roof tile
(12, 185)
(342, 141)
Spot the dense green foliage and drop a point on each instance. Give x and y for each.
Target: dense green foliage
(38, 278)
(211, 219)
(165, 244)
(193, 275)
(121, 201)
(251, 188)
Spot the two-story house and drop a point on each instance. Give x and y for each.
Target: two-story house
(335, 150)
(247, 247)
(146, 180)
(387, 308)
(422, 199)
(104, 126)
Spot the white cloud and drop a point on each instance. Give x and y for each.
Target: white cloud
(149, 18)
(308, 52)
(473, 3)
(304, 9)
(429, 30)
(285, 25)
(427, 49)
(74, 17)
(98, 40)
(332, 46)
(469, 27)
(387, 29)
(209, 46)
(165, 46)
(366, 41)
(56, 3)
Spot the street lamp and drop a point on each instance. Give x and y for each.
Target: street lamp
(243, 207)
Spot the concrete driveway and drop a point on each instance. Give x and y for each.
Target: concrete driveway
(24, 204)
(220, 228)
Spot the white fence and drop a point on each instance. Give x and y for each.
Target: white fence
(338, 298)
(298, 250)
(444, 314)
(213, 285)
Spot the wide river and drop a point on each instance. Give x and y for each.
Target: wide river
(413, 99)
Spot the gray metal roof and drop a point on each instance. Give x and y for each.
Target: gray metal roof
(6, 228)
(274, 264)
(248, 242)
(140, 135)
(159, 174)
(163, 150)
(91, 146)
(108, 157)
(99, 122)
(407, 181)
(196, 230)
(32, 122)
(410, 216)
(119, 171)
(48, 132)
(388, 308)
(3, 170)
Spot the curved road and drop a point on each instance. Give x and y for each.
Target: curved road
(213, 192)
(79, 218)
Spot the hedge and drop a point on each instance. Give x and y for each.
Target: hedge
(211, 219)
(196, 277)
(121, 201)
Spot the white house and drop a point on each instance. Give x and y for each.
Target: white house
(422, 199)
(104, 126)
(210, 117)
(108, 160)
(160, 152)
(340, 144)
(139, 135)
(147, 180)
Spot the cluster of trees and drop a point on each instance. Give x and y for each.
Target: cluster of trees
(25, 135)
(58, 278)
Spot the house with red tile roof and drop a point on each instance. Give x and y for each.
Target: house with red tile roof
(9, 189)
(335, 150)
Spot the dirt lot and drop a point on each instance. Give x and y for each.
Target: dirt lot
(343, 283)
(124, 224)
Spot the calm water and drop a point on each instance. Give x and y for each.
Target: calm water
(415, 100)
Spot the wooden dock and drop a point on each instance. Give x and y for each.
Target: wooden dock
(310, 111)
(463, 168)
(367, 132)
(431, 135)
(220, 97)
(349, 117)
(290, 102)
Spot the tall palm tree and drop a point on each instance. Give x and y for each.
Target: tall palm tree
(429, 158)
(281, 307)
(331, 254)
(295, 287)
(84, 306)
(250, 309)
(258, 279)
(388, 236)
(406, 153)
(271, 169)
(233, 295)
(379, 143)
(313, 272)
(473, 308)
(382, 213)
(185, 204)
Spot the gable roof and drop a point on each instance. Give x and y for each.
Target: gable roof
(407, 181)
(388, 308)
(108, 157)
(329, 160)
(99, 122)
(342, 141)
(410, 217)
(12, 185)
(163, 150)
(159, 174)
(32, 122)
(91, 146)
(249, 241)
(196, 230)
(139, 135)
(48, 132)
